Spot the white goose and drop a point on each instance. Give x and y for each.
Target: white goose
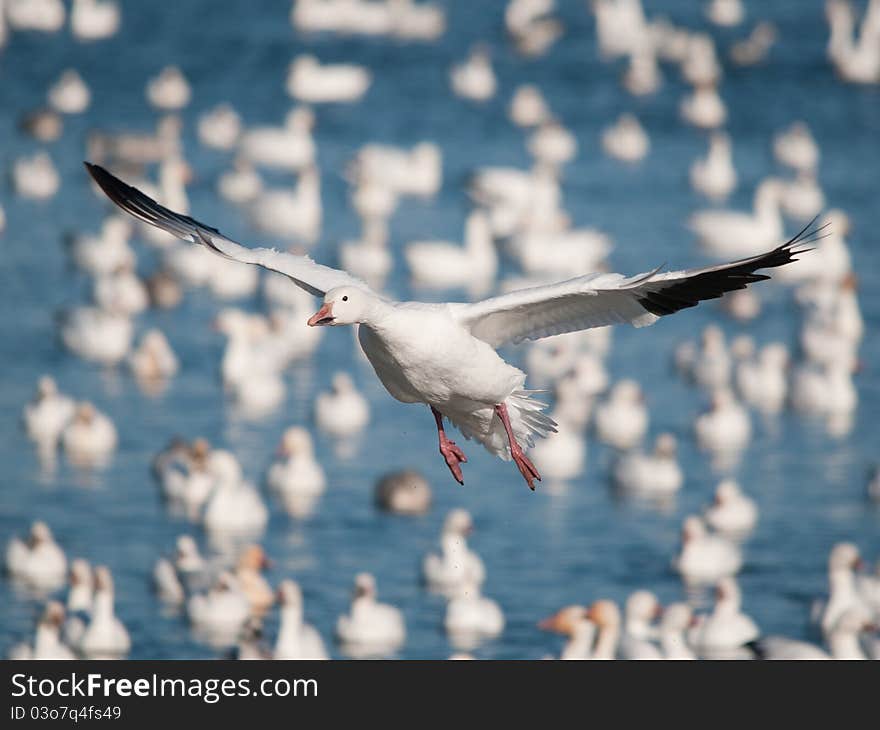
(90, 437)
(106, 636)
(471, 617)
(727, 628)
(220, 127)
(456, 564)
(370, 628)
(802, 198)
(343, 411)
(290, 147)
(705, 558)
(104, 252)
(796, 147)
(416, 171)
(622, 419)
(297, 474)
(725, 428)
(715, 175)
(704, 108)
(573, 623)
(47, 640)
(626, 139)
(242, 184)
(763, 382)
(45, 16)
(121, 291)
(38, 562)
(291, 213)
(528, 108)
(169, 91)
(35, 177)
(404, 493)
(677, 619)
(220, 613)
(655, 474)
(564, 456)
(310, 82)
(69, 94)
(474, 77)
(296, 639)
(46, 416)
(725, 13)
(639, 634)
(732, 512)
(235, 506)
(153, 360)
(843, 594)
(93, 20)
(466, 380)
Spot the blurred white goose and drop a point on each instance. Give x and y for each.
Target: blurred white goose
(564, 456)
(552, 145)
(47, 639)
(90, 437)
(92, 20)
(824, 389)
(727, 628)
(48, 413)
(471, 617)
(184, 475)
(220, 127)
(802, 198)
(606, 615)
(643, 75)
(412, 20)
(169, 91)
(725, 13)
(249, 567)
(639, 634)
(704, 108)
(560, 253)
(81, 580)
(456, 564)
(700, 65)
(528, 108)
(286, 212)
(313, 83)
(106, 636)
(548, 360)
(626, 139)
(416, 171)
(241, 184)
(576, 391)
(677, 619)
(39, 561)
(221, 612)
(153, 359)
(714, 175)
(763, 382)
(121, 291)
(855, 59)
(369, 258)
(167, 584)
(228, 281)
(657, 473)
(69, 94)
(404, 493)
(296, 639)
(188, 561)
(620, 26)
(725, 428)
(35, 177)
(796, 148)
(343, 411)
(290, 147)
(735, 233)
(573, 623)
(743, 305)
(474, 77)
(732, 512)
(705, 558)
(442, 265)
(234, 505)
(297, 473)
(370, 628)
(104, 252)
(843, 560)
(622, 419)
(710, 367)
(45, 16)
(753, 49)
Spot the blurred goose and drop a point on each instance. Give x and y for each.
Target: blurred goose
(705, 558)
(35, 177)
(92, 20)
(700, 65)
(657, 473)
(220, 613)
(296, 639)
(528, 107)
(412, 20)
(153, 360)
(606, 615)
(727, 628)
(184, 475)
(415, 171)
(725, 13)
(704, 108)
(234, 505)
(297, 473)
(560, 253)
(293, 212)
(46, 416)
(626, 139)
(714, 175)
(404, 493)
(90, 437)
(711, 364)
(106, 636)
(47, 640)
(474, 78)
(855, 59)
(44, 125)
(677, 619)
(796, 147)
(573, 623)
(249, 573)
(564, 456)
(169, 91)
(69, 94)
(104, 252)
(825, 389)
(552, 145)
(167, 584)
(220, 127)
(444, 265)
(643, 75)
(732, 512)
(290, 147)
(39, 561)
(121, 291)
(81, 581)
(188, 561)
(138, 148)
(456, 564)
(370, 628)
(753, 49)
(763, 382)
(639, 635)
(843, 595)
(45, 16)
(725, 428)
(622, 419)
(343, 411)
(242, 184)
(313, 83)
(471, 617)
(802, 198)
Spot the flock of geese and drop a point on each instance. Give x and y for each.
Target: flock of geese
(225, 596)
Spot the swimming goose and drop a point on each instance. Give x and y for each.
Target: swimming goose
(104, 252)
(552, 145)
(416, 171)
(753, 49)
(291, 213)
(296, 639)
(471, 617)
(69, 94)
(725, 13)
(167, 584)
(415, 21)
(475, 388)
(843, 641)
(474, 78)
(643, 75)
(169, 91)
(657, 473)
(370, 629)
(528, 108)
(843, 560)
(705, 558)
(184, 475)
(297, 474)
(763, 382)
(564, 456)
(403, 493)
(343, 411)
(727, 628)
(38, 562)
(234, 506)
(714, 175)
(622, 419)
(802, 198)
(93, 20)
(121, 291)
(242, 184)
(47, 639)
(704, 108)
(638, 641)
(90, 437)
(732, 512)
(44, 125)
(700, 65)
(153, 361)
(313, 83)
(626, 139)
(219, 614)
(44, 16)
(220, 127)
(249, 573)
(106, 636)
(796, 147)
(677, 618)
(81, 581)
(606, 615)
(35, 177)
(290, 147)
(46, 416)
(456, 564)
(724, 429)
(572, 622)
(138, 148)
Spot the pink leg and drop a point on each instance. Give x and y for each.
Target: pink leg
(451, 453)
(526, 467)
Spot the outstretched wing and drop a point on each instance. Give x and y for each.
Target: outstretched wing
(596, 300)
(314, 278)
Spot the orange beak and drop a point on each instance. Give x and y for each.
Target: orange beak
(322, 317)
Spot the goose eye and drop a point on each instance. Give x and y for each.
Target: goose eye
(345, 298)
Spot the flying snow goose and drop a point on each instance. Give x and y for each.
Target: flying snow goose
(443, 354)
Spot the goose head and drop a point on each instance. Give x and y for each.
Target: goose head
(458, 522)
(253, 558)
(564, 621)
(46, 388)
(344, 305)
(40, 534)
(296, 441)
(364, 586)
(844, 557)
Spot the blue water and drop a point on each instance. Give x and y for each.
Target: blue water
(542, 550)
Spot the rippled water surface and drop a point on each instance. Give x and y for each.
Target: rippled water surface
(544, 549)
